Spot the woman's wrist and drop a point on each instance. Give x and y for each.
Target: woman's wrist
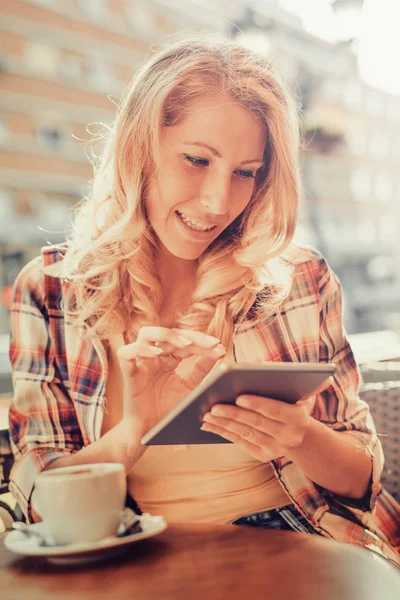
(128, 442)
(121, 444)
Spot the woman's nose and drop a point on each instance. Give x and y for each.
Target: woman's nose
(215, 195)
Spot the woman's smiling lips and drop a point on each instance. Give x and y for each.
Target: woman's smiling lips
(194, 234)
(198, 224)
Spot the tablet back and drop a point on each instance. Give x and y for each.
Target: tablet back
(287, 382)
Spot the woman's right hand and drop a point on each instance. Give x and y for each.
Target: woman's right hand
(152, 387)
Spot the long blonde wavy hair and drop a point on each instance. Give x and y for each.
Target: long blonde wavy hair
(110, 260)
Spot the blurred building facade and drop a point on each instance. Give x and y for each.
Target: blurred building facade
(63, 66)
(350, 161)
(62, 62)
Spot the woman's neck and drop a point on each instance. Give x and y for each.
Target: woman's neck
(175, 273)
(178, 280)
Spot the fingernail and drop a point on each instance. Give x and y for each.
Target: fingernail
(219, 348)
(218, 352)
(211, 338)
(185, 341)
(242, 401)
(156, 350)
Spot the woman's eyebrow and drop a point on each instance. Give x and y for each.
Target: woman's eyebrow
(216, 153)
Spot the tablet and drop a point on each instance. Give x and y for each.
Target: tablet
(287, 382)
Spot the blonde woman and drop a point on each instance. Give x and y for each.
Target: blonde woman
(180, 258)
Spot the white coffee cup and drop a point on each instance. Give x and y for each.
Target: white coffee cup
(82, 503)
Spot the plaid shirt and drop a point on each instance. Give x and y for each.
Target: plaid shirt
(59, 381)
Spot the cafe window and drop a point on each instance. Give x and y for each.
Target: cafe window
(388, 229)
(393, 110)
(360, 184)
(381, 268)
(140, 18)
(332, 89)
(356, 141)
(375, 104)
(353, 95)
(12, 263)
(383, 187)
(51, 137)
(70, 67)
(42, 58)
(4, 132)
(6, 205)
(395, 150)
(366, 231)
(379, 145)
(94, 9)
(99, 74)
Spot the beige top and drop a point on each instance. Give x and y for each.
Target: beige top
(215, 483)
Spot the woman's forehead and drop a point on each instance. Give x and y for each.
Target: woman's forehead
(219, 121)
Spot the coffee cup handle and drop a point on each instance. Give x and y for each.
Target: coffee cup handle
(35, 502)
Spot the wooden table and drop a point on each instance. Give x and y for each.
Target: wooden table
(205, 562)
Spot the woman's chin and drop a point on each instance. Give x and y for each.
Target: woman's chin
(186, 254)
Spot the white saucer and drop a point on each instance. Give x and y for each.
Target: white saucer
(81, 552)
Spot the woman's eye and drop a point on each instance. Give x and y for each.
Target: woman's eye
(196, 162)
(246, 174)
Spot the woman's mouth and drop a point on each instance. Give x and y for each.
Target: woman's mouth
(193, 228)
(193, 224)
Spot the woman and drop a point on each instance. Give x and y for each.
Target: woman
(181, 258)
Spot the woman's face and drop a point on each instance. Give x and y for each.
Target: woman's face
(206, 178)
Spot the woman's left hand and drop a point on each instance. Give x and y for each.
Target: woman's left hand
(265, 428)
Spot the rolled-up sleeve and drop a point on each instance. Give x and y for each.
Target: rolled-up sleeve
(42, 418)
(340, 406)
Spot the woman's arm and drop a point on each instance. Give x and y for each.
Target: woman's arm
(121, 444)
(44, 429)
(335, 461)
(268, 429)
(118, 445)
(333, 439)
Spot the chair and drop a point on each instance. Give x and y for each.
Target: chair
(381, 391)
(7, 514)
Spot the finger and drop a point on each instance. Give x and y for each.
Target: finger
(243, 430)
(250, 418)
(168, 343)
(173, 341)
(168, 347)
(134, 350)
(277, 410)
(215, 353)
(192, 350)
(201, 369)
(131, 354)
(167, 339)
(143, 348)
(248, 445)
(164, 334)
(199, 338)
